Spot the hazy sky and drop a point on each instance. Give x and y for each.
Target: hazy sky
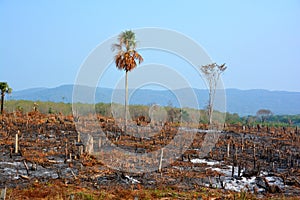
(44, 43)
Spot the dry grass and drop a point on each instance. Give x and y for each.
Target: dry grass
(57, 190)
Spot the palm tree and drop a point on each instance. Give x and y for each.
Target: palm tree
(4, 89)
(126, 58)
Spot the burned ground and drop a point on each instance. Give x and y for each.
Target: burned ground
(261, 160)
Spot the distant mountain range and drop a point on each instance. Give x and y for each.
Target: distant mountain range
(242, 102)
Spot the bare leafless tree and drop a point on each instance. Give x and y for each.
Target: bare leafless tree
(212, 74)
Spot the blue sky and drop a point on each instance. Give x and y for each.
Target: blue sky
(43, 43)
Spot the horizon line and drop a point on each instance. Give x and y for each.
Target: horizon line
(157, 89)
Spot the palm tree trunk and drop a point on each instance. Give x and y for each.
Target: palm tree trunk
(126, 101)
(2, 101)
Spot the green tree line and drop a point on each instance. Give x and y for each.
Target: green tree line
(166, 113)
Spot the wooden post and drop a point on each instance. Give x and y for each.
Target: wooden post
(89, 145)
(78, 137)
(228, 149)
(27, 121)
(210, 182)
(239, 169)
(80, 150)
(11, 152)
(211, 154)
(66, 151)
(236, 153)
(100, 143)
(17, 142)
(80, 147)
(234, 156)
(254, 157)
(75, 177)
(268, 152)
(26, 166)
(243, 143)
(160, 161)
(3, 194)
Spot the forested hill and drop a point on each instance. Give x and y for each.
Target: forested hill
(243, 102)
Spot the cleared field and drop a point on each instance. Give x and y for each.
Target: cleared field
(246, 162)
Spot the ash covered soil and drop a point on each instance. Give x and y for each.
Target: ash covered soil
(263, 161)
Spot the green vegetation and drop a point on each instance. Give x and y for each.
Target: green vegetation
(4, 89)
(43, 107)
(172, 114)
(274, 120)
(85, 196)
